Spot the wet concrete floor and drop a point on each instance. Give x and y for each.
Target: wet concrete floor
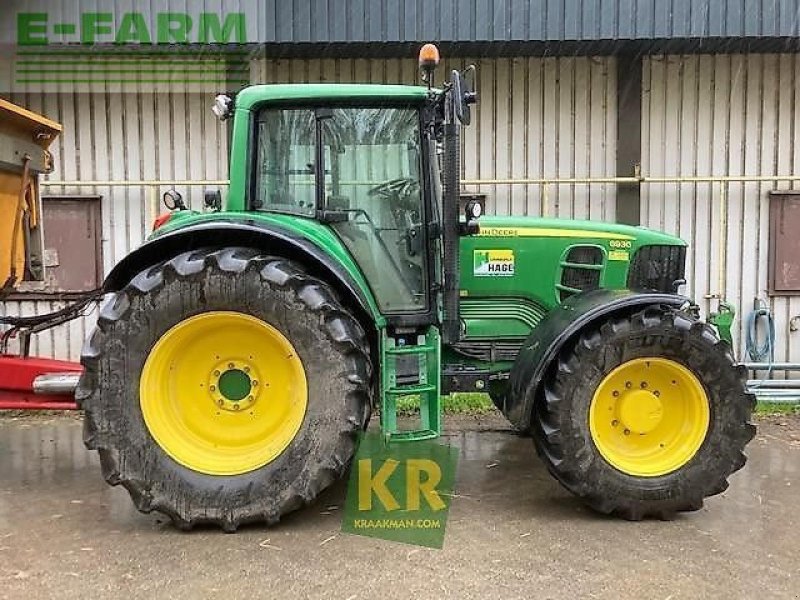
(513, 533)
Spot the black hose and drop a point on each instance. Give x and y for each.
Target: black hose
(69, 312)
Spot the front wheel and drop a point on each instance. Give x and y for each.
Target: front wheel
(645, 416)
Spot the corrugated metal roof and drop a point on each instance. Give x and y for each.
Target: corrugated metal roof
(561, 20)
(457, 21)
(521, 20)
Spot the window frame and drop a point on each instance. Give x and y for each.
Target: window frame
(252, 166)
(777, 198)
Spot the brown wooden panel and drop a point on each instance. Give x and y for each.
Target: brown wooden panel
(784, 242)
(72, 250)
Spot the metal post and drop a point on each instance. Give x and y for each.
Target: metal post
(153, 195)
(544, 208)
(629, 135)
(723, 240)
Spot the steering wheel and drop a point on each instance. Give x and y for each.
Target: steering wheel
(402, 186)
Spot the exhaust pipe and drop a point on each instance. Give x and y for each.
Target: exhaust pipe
(56, 384)
(451, 323)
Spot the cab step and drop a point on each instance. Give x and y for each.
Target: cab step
(410, 366)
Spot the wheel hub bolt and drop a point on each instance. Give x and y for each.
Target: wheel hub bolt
(615, 393)
(628, 384)
(627, 432)
(614, 423)
(643, 385)
(231, 386)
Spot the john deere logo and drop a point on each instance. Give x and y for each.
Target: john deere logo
(493, 263)
(400, 491)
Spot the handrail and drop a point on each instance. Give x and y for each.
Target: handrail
(133, 182)
(644, 179)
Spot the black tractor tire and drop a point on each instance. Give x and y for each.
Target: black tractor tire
(327, 337)
(560, 423)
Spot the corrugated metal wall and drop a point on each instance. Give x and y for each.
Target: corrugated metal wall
(723, 115)
(123, 136)
(536, 118)
(553, 117)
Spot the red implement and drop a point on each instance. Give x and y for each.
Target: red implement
(17, 376)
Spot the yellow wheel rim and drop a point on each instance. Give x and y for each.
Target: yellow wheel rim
(649, 416)
(223, 393)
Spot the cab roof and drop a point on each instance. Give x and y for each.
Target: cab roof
(288, 92)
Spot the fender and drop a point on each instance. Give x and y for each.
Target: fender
(561, 325)
(252, 234)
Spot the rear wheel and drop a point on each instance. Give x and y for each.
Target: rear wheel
(224, 387)
(645, 416)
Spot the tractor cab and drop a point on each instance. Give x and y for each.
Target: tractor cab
(358, 168)
(369, 162)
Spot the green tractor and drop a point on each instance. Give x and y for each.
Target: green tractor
(241, 354)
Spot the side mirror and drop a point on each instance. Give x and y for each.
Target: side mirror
(173, 200)
(212, 200)
(463, 91)
(470, 95)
